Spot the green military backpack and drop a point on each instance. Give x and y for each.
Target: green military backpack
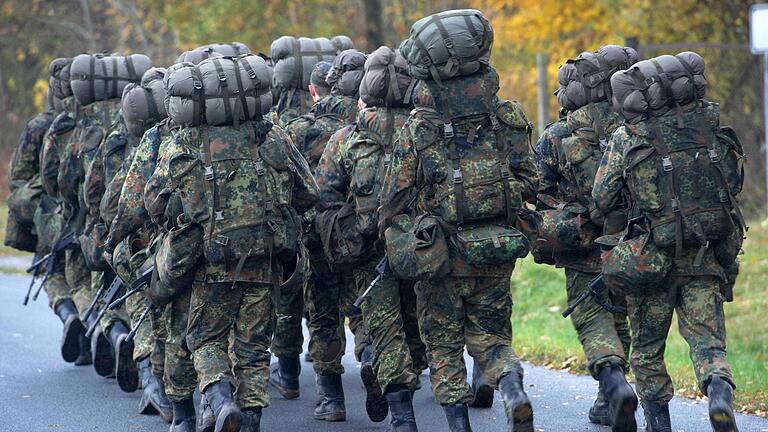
(241, 189)
(468, 147)
(683, 171)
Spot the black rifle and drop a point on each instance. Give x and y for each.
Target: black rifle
(31, 282)
(142, 318)
(111, 293)
(138, 285)
(381, 270)
(48, 262)
(595, 290)
(109, 279)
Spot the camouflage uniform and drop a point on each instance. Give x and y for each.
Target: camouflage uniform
(310, 134)
(473, 305)
(692, 292)
(145, 196)
(292, 104)
(604, 336)
(54, 141)
(223, 301)
(389, 316)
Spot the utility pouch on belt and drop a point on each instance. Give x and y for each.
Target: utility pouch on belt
(417, 248)
(491, 245)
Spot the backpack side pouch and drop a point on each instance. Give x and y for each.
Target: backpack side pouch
(491, 245)
(417, 248)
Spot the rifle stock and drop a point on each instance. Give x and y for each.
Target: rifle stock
(381, 271)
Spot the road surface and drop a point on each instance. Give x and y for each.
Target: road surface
(39, 392)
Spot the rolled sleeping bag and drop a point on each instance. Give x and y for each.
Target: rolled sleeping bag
(586, 79)
(219, 91)
(346, 73)
(386, 81)
(144, 104)
(448, 44)
(341, 43)
(652, 87)
(294, 59)
(97, 77)
(59, 82)
(196, 55)
(232, 49)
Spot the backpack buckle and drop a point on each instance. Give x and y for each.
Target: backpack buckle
(723, 195)
(458, 177)
(448, 43)
(219, 215)
(272, 226)
(252, 74)
(713, 156)
(387, 159)
(222, 78)
(448, 130)
(675, 205)
(504, 171)
(209, 172)
(197, 85)
(666, 163)
(259, 168)
(222, 240)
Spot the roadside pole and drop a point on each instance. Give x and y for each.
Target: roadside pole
(758, 32)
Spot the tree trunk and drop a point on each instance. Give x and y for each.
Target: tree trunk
(372, 13)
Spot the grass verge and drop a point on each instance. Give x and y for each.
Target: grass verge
(543, 337)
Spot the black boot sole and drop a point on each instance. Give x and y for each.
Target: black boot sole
(483, 397)
(523, 418)
(125, 367)
(103, 358)
(603, 420)
(722, 419)
(228, 422)
(336, 416)
(70, 339)
(147, 406)
(376, 404)
(624, 415)
(284, 392)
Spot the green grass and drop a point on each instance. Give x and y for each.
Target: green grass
(543, 337)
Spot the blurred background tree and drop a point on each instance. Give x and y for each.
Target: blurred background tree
(33, 32)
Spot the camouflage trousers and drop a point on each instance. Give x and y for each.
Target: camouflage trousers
(144, 341)
(604, 336)
(247, 310)
(288, 340)
(389, 313)
(700, 318)
(111, 316)
(330, 298)
(180, 377)
(472, 311)
(56, 288)
(78, 277)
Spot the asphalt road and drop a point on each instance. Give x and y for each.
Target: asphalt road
(39, 392)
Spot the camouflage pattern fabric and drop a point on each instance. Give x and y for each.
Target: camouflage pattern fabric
(399, 355)
(604, 336)
(180, 377)
(310, 133)
(54, 143)
(475, 311)
(330, 298)
(78, 277)
(25, 162)
(547, 161)
(56, 287)
(699, 307)
(144, 341)
(247, 310)
(288, 340)
(292, 104)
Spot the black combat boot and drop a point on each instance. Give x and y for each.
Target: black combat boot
(657, 417)
(226, 411)
(375, 403)
(183, 416)
(206, 422)
(125, 367)
(516, 403)
(400, 401)
(331, 406)
(84, 359)
(458, 418)
(622, 401)
(73, 328)
(103, 355)
(598, 413)
(251, 420)
(480, 388)
(721, 415)
(284, 375)
(153, 398)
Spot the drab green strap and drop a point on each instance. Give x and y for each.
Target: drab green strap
(241, 91)
(225, 88)
(298, 65)
(92, 81)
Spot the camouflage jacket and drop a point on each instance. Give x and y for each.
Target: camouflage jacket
(131, 212)
(304, 195)
(609, 195)
(25, 162)
(550, 181)
(406, 180)
(54, 142)
(292, 104)
(310, 132)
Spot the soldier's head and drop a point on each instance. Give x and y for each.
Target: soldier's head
(318, 88)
